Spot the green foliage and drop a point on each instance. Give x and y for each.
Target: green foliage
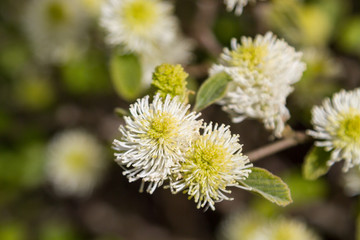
(34, 92)
(269, 186)
(13, 57)
(126, 75)
(213, 89)
(121, 112)
(87, 74)
(58, 231)
(22, 169)
(12, 231)
(303, 191)
(301, 23)
(349, 36)
(315, 164)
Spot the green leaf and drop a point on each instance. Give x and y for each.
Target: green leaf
(315, 164)
(349, 36)
(121, 112)
(269, 186)
(126, 75)
(213, 89)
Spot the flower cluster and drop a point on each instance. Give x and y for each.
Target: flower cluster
(162, 141)
(262, 71)
(75, 162)
(55, 28)
(147, 28)
(337, 127)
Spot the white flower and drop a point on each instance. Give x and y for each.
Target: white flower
(289, 229)
(236, 4)
(241, 225)
(262, 71)
(55, 28)
(337, 127)
(75, 162)
(141, 26)
(251, 226)
(154, 139)
(212, 163)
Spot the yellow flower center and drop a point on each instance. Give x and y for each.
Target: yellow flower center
(56, 13)
(77, 162)
(140, 15)
(251, 56)
(283, 234)
(211, 161)
(162, 127)
(349, 127)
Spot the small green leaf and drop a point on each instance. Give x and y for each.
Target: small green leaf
(315, 164)
(120, 112)
(126, 75)
(213, 89)
(269, 186)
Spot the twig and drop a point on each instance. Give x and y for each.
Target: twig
(290, 141)
(202, 28)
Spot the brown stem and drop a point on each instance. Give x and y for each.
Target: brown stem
(290, 141)
(202, 28)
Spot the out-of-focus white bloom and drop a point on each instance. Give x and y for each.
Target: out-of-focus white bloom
(93, 7)
(337, 127)
(321, 62)
(352, 181)
(55, 28)
(241, 225)
(155, 138)
(142, 26)
(212, 163)
(262, 71)
(237, 5)
(176, 52)
(75, 162)
(286, 229)
(250, 226)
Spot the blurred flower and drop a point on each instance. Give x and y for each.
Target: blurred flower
(318, 81)
(237, 5)
(76, 162)
(212, 163)
(93, 7)
(55, 28)
(352, 181)
(337, 127)
(149, 29)
(154, 139)
(320, 63)
(170, 79)
(241, 225)
(262, 71)
(301, 23)
(176, 52)
(251, 226)
(286, 229)
(141, 26)
(33, 91)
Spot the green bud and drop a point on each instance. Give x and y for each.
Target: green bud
(170, 79)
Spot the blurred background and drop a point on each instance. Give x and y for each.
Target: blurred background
(57, 89)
